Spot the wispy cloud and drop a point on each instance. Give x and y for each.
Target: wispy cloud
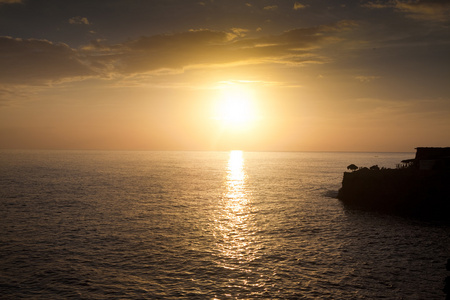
(378, 5)
(34, 61)
(79, 20)
(271, 7)
(298, 6)
(431, 10)
(426, 10)
(238, 32)
(9, 1)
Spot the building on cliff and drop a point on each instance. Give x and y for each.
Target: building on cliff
(431, 158)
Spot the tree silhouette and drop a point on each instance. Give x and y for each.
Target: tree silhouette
(352, 167)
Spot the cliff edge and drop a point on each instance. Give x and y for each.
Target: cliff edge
(410, 190)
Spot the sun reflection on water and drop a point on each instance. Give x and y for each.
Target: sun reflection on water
(236, 181)
(235, 228)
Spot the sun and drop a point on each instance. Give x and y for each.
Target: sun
(236, 107)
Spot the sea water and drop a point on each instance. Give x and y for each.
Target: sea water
(205, 225)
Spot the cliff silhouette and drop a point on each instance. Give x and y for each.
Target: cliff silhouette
(419, 187)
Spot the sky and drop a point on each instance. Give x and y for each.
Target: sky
(255, 75)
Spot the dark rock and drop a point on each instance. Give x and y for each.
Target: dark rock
(447, 285)
(405, 191)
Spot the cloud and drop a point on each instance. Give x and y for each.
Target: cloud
(434, 10)
(238, 32)
(11, 94)
(36, 61)
(271, 7)
(377, 5)
(213, 47)
(9, 1)
(298, 6)
(79, 20)
(431, 10)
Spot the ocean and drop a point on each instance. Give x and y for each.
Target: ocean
(205, 225)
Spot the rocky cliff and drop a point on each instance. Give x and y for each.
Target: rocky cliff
(406, 191)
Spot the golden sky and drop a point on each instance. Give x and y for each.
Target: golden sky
(257, 75)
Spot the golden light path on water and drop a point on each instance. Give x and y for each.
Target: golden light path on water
(235, 227)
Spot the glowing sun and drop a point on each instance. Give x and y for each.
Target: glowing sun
(236, 106)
